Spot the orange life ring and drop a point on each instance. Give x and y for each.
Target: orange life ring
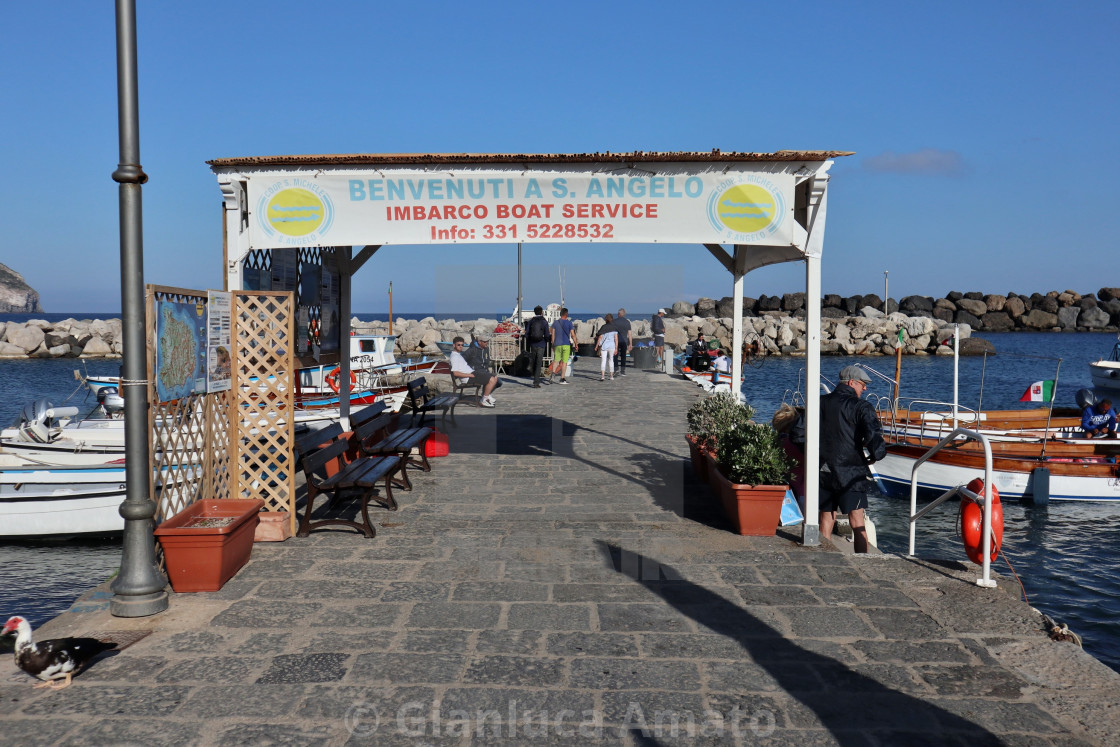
(333, 376)
(972, 523)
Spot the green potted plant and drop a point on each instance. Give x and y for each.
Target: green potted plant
(708, 420)
(752, 478)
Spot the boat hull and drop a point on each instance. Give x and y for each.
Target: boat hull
(1014, 478)
(62, 514)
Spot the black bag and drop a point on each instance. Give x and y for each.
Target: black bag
(521, 365)
(538, 329)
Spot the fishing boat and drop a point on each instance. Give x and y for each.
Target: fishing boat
(1024, 477)
(935, 420)
(1106, 372)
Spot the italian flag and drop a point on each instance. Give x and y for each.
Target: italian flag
(1040, 391)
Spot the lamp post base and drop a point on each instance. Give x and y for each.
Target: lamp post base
(142, 605)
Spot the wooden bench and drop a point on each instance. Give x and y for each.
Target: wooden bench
(324, 449)
(375, 439)
(461, 386)
(422, 401)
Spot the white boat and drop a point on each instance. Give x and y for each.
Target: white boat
(1070, 478)
(58, 501)
(373, 368)
(52, 434)
(1106, 372)
(709, 380)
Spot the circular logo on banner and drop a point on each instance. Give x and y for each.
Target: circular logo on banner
(296, 212)
(746, 211)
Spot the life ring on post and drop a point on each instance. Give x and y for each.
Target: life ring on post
(333, 376)
(972, 523)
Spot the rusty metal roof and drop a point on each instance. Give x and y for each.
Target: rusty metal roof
(415, 159)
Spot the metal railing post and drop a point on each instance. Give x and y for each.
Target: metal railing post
(986, 539)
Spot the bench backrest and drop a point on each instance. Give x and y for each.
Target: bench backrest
(317, 460)
(312, 441)
(373, 430)
(364, 415)
(418, 392)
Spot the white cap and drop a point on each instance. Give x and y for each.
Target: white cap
(662, 311)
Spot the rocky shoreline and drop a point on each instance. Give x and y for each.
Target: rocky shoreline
(854, 325)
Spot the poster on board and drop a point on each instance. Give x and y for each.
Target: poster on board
(219, 335)
(180, 349)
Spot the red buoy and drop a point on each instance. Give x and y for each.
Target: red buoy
(972, 522)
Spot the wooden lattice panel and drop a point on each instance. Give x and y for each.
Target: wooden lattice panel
(189, 441)
(263, 399)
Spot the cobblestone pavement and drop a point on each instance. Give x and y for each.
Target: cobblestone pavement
(560, 578)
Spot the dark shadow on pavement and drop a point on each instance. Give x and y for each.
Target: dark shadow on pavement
(856, 709)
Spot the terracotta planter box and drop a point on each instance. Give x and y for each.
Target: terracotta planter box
(699, 460)
(754, 510)
(206, 543)
(274, 526)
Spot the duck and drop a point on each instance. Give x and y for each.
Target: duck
(55, 661)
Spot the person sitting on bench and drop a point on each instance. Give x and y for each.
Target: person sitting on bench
(462, 369)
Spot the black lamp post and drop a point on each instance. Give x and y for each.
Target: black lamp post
(138, 589)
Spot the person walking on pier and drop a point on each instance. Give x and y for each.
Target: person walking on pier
(605, 346)
(563, 340)
(537, 333)
(657, 329)
(848, 426)
(625, 340)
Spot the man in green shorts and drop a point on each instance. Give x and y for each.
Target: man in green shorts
(563, 340)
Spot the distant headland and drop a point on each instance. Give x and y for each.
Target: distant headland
(16, 296)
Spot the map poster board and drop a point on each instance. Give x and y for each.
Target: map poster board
(285, 269)
(257, 279)
(310, 283)
(331, 282)
(219, 368)
(180, 349)
(302, 343)
(329, 329)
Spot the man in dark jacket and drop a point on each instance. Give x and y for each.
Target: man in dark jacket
(538, 334)
(848, 426)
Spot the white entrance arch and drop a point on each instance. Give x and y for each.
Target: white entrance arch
(767, 207)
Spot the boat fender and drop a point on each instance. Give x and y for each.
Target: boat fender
(972, 522)
(333, 376)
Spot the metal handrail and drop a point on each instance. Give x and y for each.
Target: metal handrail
(986, 544)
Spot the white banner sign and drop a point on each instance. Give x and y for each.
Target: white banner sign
(497, 206)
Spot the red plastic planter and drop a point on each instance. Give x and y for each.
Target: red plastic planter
(754, 510)
(203, 558)
(699, 462)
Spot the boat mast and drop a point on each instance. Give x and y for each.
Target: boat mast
(520, 314)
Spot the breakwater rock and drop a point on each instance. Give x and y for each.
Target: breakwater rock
(70, 338)
(1065, 311)
(869, 333)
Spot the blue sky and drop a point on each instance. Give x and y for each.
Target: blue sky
(984, 133)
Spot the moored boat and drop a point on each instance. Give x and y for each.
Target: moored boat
(1067, 478)
(1106, 372)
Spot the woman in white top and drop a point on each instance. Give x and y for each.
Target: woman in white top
(606, 345)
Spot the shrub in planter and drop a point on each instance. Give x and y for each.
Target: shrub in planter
(752, 454)
(711, 418)
(751, 479)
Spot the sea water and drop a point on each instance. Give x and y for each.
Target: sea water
(1067, 554)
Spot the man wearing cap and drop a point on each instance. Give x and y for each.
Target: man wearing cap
(849, 425)
(657, 328)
